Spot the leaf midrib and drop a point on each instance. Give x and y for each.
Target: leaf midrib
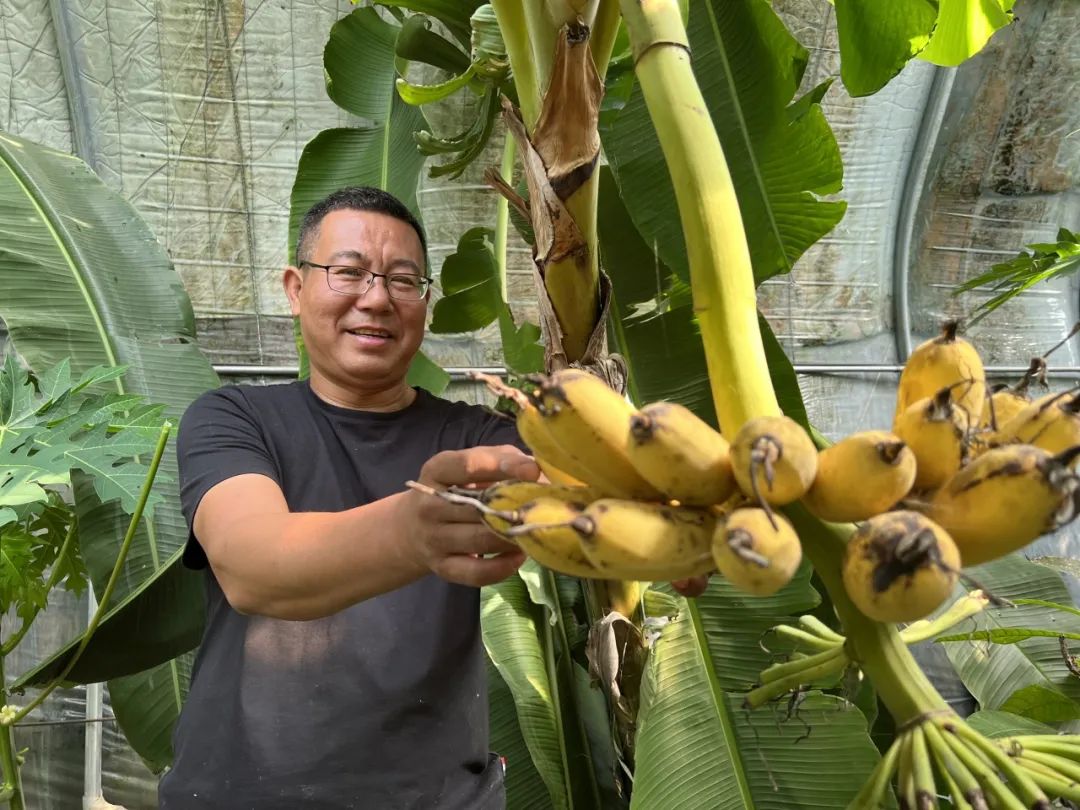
(727, 725)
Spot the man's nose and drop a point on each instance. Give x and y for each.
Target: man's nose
(377, 295)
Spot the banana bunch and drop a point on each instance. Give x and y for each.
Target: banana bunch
(654, 493)
(942, 755)
(991, 470)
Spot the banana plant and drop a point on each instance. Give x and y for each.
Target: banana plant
(83, 278)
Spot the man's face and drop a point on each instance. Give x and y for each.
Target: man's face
(358, 342)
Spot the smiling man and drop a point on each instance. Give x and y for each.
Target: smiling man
(342, 665)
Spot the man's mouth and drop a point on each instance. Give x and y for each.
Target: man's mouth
(370, 332)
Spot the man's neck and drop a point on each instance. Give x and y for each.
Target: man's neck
(385, 399)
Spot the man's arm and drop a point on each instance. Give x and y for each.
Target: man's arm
(306, 565)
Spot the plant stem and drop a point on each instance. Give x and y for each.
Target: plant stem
(9, 763)
(502, 214)
(605, 28)
(721, 275)
(877, 648)
(573, 286)
(520, 23)
(54, 575)
(121, 557)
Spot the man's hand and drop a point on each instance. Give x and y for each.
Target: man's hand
(450, 539)
(693, 587)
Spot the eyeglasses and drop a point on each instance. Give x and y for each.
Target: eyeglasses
(349, 280)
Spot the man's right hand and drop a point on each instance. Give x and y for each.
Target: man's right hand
(451, 540)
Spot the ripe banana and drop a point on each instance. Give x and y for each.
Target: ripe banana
(862, 475)
(773, 459)
(1001, 406)
(557, 476)
(1052, 422)
(535, 432)
(936, 430)
(545, 534)
(588, 421)
(646, 541)
(900, 566)
(1006, 498)
(756, 552)
(946, 361)
(680, 454)
(509, 496)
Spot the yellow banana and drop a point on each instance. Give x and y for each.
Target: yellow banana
(1001, 406)
(946, 361)
(757, 552)
(937, 433)
(900, 566)
(773, 459)
(646, 541)
(1051, 422)
(862, 475)
(588, 420)
(557, 476)
(680, 454)
(1006, 498)
(545, 534)
(535, 432)
(509, 496)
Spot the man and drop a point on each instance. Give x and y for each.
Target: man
(342, 665)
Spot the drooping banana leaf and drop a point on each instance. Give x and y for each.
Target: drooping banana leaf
(82, 276)
(878, 39)
(697, 746)
(524, 787)
(963, 28)
(520, 645)
(359, 61)
(1030, 678)
(749, 67)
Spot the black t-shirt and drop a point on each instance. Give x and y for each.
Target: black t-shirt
(383, 705)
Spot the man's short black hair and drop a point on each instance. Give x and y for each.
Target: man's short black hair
(354, 198)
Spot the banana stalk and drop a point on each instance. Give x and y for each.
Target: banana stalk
(725, 303)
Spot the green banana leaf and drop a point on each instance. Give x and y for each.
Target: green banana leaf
(359, 61)
(748, 67)
(1029, 678)
(878, 39)
(454, 14)
(697, 746)
(83, 277)
(963, 28)
(519, 641)
(524, 787)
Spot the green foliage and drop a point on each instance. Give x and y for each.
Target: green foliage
(50, 425)
(878, 39)
(780, 150)
(1045, 261)
(472, 299)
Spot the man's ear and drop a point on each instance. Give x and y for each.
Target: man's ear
(292, 280)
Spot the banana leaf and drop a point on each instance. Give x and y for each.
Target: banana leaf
(524, 787)
(519, 641)
(359, 60)
(696, 744)
(748, 67)
(1030, 678)
(83, 277)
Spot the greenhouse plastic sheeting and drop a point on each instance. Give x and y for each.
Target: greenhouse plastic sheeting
(197, 112)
